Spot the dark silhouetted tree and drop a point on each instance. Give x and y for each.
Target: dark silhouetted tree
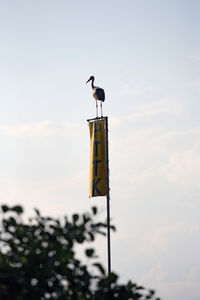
(38, 260)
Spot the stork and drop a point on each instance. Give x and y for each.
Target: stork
(98, 94)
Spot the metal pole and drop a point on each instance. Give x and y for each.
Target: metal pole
(108, 191)
(108, 198)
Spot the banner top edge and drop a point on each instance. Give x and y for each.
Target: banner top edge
(96, 119)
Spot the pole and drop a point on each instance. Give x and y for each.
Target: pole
(108, 198)
(107, 193)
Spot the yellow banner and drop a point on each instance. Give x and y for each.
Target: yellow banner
(97, 186)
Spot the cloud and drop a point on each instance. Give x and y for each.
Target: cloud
(166, 106)
(137, 89)
(176, 269)
(44, 128)
(158, 160)
(155, 272)
(50, 195)
(195, 85)
(195, 58)
(49, 128)
(184, 167)
(157, 240)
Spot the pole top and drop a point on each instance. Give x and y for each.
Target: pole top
(97, 119)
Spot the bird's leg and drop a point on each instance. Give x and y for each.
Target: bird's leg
(101, 110)
(96, 109)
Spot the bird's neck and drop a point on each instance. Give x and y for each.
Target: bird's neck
(92, 83)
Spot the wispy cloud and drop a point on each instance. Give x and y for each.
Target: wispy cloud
(195, 57)
(137, 89)
(195, 83)
(44, 128)
(157, 241)
(184, 167)
(165, 106)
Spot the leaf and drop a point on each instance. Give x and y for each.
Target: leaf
(113, 227)
(5, 208)
(91, 236)
(12, 221)
(100, 267)
(80, 239)
(94, 210)
(86, 218)
(112, 277)
(75, 217)
(89, 252)
(18, 209)
(37, 212)
(139, 288)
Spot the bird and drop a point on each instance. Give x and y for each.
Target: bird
(98, 94)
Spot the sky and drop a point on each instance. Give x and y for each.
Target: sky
(146, 56)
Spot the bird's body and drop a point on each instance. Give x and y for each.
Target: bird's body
(98, 94)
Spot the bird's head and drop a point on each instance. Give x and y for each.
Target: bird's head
(91, 78)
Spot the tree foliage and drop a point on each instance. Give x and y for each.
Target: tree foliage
(38, 260)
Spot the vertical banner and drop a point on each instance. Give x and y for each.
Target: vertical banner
(97, 185)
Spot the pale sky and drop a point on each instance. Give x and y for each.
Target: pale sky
(146, 55)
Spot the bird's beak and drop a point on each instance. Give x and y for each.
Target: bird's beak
(88, 80)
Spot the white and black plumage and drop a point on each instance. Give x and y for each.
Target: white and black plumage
(98, 94)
